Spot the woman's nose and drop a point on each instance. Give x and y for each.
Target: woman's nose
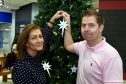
(39, 39)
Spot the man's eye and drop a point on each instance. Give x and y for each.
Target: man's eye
(83, 25)
(91, 25)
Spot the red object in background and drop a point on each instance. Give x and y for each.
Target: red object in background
(112, 5)
(124, 76)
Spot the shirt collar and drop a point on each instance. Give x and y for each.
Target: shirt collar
(96, 46)
(28, 56)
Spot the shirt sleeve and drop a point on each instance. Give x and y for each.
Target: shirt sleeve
(76, 48)
(47, 33)
(79, 47)
(113, 71)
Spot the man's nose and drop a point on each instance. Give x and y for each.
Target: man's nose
(86, 28)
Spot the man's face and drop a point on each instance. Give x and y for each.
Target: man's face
(90, 29)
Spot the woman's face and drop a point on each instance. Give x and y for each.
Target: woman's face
(35, 41)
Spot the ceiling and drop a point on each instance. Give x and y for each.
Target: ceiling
(16, 4)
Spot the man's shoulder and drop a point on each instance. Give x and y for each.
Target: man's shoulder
(110, 48)
(81, 42)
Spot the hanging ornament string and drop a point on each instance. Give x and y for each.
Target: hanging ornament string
(46, 67)
(63, 25)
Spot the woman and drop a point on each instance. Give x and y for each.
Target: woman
(28, 68)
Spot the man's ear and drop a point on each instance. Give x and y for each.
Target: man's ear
(101, 28)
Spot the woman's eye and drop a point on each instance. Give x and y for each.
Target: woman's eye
(40, 36)
(33, 37)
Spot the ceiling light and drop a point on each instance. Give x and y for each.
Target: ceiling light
(1, 3)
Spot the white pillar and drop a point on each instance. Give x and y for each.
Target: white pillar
(12, 29)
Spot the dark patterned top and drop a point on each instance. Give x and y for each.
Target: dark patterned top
(30, 70)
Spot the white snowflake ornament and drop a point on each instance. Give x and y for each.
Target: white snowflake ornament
(63, 25)
(46, 67)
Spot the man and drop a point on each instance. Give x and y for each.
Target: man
(99, 62)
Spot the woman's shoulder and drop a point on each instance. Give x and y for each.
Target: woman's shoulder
(19, 64)
(22, 66)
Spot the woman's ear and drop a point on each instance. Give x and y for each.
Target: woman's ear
(26, 44)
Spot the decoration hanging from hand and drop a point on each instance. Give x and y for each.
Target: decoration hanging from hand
(63, 25)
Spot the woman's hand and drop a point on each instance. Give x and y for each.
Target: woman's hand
(56, 16)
